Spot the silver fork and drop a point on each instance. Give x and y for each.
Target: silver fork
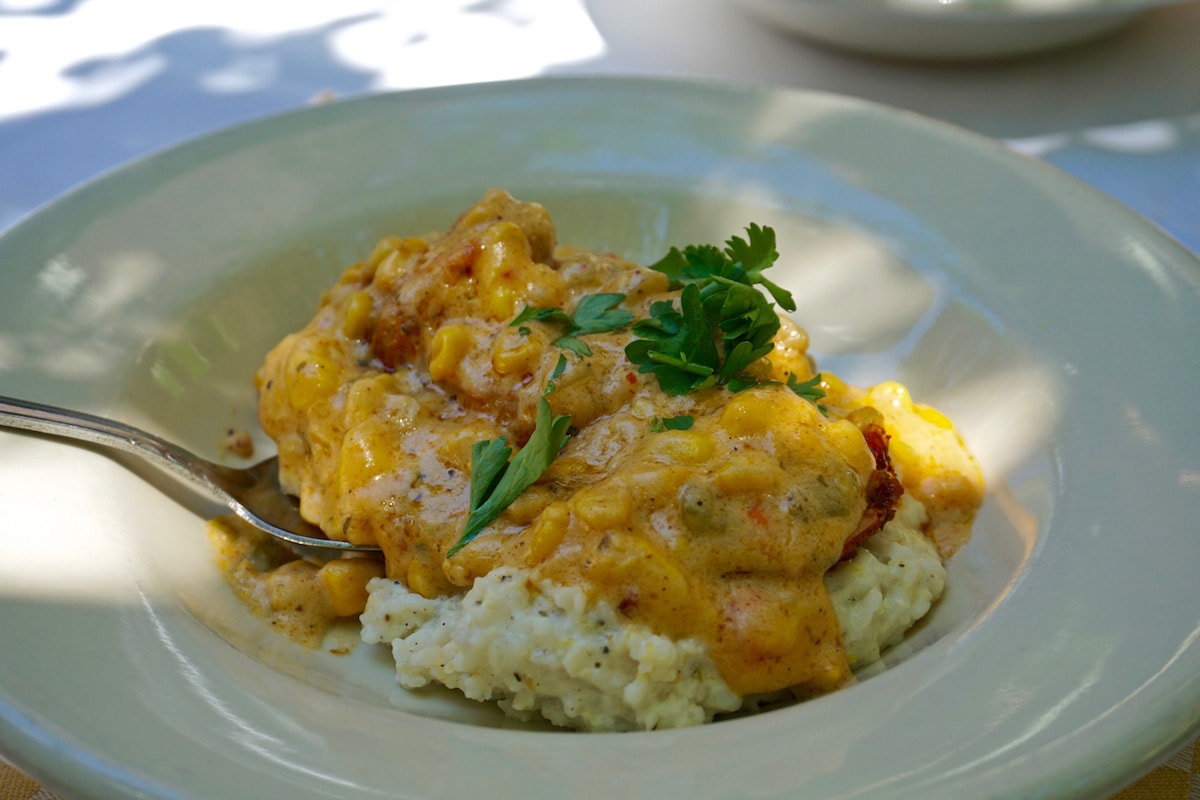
(252, 493)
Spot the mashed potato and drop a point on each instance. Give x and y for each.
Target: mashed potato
(612, 495)
(539, 649)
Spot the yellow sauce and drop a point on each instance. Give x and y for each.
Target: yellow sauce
(722, 531)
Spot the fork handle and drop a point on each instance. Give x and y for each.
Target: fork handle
(81, 426)
(205, 475)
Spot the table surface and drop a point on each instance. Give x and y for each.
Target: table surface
(88, 85)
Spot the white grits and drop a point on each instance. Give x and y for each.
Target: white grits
(539, 649)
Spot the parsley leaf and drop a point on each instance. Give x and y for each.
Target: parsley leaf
(489, 460)
(496, 482)
(810, 389)
(741, 261)
(576, 346)
(677, 347)
(723, 324)
(682, 422)
(755, 256)
(539, 314)
(594, 313)
(559, 368)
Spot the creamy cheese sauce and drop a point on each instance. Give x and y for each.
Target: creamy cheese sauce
(721, 532)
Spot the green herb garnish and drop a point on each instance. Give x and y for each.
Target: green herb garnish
(594, 313)
(680, 423)
(723, 323)
(496, 482)
(559, 368)
(741, 260)
(810, 389)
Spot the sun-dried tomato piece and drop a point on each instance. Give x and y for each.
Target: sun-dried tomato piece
(883, 490)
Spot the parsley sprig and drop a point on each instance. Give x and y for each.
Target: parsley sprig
(496, 482)
(594, 313)
(724, 323)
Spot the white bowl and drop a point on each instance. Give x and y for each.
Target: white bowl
(1054, 325)
(949, 29)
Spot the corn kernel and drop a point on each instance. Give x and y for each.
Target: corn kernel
(888, 394)
(514, 353)
(355, 273)
(450, 345)
(421, 579)
(529, 504)
(603, 508)
(382, 249)
(630, 560)
(654, 485)
(392, 264)
(682, 447)
(509, 277)
(365, 397)
(791, 337)
(380, 397)
(750, 472)
(838, 393)
(845, 436)
(547, 533)
(367, 454)
(289, 586)
(749, 413)
(358, 315)
(833, 385)
(864, 416)
(225, 543)
(390, 269)
(934, 417)
(345, 584)
(453, 448)
(502, 264)
(310, 378)
(543, 286)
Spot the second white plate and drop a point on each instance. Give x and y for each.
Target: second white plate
(957, 29)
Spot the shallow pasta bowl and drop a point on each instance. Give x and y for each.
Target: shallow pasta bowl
(1051, 323)
(951, 29)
